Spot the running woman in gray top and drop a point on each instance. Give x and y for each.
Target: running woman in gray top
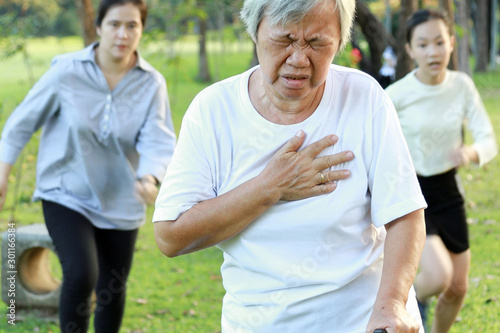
(107, 139)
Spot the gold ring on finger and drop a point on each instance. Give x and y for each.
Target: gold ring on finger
(323, 180)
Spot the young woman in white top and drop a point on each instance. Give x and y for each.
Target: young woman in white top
(433, 104)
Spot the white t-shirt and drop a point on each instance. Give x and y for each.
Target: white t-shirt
(312, 265)
(432, 117)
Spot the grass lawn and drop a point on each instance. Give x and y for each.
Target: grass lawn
(184, 294)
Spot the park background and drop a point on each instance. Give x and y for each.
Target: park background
(194, 43)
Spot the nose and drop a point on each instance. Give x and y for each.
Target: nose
(122, 31)
(298, 58)
(433, 49)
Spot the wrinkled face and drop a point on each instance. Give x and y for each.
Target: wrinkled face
(431, 46)
(295, 58)
(120, 31)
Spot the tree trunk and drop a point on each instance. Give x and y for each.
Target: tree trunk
(221, 24)
(493, 34)
(87, 18)
(388, 16)
(405, 64)
(376, 36)
(462, 46)
(203, 70)
(447, 5)
(482, 34)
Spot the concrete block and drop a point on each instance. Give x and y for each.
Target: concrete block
(29, 281)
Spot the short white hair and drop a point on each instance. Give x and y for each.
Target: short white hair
(281, 12)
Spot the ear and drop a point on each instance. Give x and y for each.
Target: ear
(98, 30)
(452, 42)
(409, 50)
(254, 39)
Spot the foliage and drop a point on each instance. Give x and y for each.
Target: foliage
(170, 17)
(67, 22)
(28, 18)
(10, 43)
(350, 57)
(20, 20)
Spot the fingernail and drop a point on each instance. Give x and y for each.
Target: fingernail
(349, 154)
(299, 133)
(347, 173)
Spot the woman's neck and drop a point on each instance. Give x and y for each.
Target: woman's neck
(114, 70)
(278, 110)
(431, 80)
(111, 66)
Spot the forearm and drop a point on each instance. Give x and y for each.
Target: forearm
(5, 169)
(212, 221)
(403, 246)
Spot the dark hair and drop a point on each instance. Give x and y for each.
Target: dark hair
(422, 16)
(105, 6)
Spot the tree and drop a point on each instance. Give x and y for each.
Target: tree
(376, 35)
(167, 19)
(482, 34)
(493, 34)
(462, 46)
(19, 21)
(174, 16)
(87, 18)
(405, 64)
(32, 18)
(203, 70)
(447, 5)
(201, 14)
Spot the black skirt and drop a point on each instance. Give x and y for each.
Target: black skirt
(445, 214)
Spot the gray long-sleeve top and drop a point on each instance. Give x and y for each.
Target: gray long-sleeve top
(95, 142)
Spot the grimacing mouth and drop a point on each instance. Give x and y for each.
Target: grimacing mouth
(295, 77)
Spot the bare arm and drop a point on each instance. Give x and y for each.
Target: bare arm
(290, 175)
(5, 169)
(403, 246)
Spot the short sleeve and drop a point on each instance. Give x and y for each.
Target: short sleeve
(393, 182)
(189, 177)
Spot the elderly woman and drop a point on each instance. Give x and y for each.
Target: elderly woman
(260, 172)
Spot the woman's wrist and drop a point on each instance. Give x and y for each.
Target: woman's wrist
(472, 154)
(149, 179)
(5, 169)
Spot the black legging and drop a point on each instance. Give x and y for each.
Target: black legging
(91, 259)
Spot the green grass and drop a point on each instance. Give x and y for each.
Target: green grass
(481, 311)
(184, 294)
